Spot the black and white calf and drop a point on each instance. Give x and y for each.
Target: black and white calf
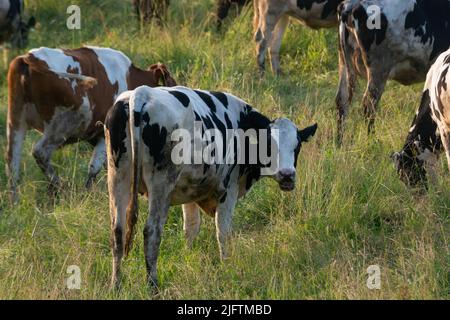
(387, 39)
(140, 137)
(271, 18)
(13, 29)
(430, 130)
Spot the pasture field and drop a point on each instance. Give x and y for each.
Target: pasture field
(349, 210)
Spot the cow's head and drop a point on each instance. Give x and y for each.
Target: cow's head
(20, 38)
(290, 140)
(162, 75)
(410, 168)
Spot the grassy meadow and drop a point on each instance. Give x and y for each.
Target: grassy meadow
(349, 210)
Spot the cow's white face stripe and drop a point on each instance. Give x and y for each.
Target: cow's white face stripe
(288, 142)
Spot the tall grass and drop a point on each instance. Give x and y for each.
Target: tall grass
(348, 212)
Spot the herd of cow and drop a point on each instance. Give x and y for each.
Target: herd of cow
(98, 95)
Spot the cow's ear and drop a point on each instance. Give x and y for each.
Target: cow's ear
(31, 22)
(307, 133)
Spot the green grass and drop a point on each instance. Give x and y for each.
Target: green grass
(349, 211)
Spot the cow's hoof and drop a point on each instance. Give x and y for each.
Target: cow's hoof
(339, 139)
(278, 73)
(152, 284)
(53, 188)
(261, 70)
(115, 284)
(13, 198)
(89, 182)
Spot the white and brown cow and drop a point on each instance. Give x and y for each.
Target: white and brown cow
(13, 28)
(271, 18)
(63, 94)
(144, 131)
(387, 39)
(429, 134)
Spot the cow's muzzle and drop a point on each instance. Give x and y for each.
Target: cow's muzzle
(286, 180)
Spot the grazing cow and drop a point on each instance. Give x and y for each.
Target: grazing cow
(430, 130)
(140, 131)
(271, 18)
(223, 6)
(147, 10)
(387, 39)
(13, 29)
(63, 94)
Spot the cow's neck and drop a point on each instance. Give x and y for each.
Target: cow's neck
(138, 77)
(252, 119)
(423, 141)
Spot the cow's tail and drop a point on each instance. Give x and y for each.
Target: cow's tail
(346, 57)
(85, 81)
(36, 65)
(139, 99)
(257, 33)
(345, 10)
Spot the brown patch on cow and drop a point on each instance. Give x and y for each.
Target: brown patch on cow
(101, 97)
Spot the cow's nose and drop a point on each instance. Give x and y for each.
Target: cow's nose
(287, 174)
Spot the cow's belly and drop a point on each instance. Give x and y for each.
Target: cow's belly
(313, 17)
(73, 123)
(408, 73)
(195, 186)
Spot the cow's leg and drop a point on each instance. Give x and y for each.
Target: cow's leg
(268, 19)
(445, 137)
(97, 161)
(160, 11)
(137, 9)
(347, 81)
(224, 217)
(160, 184)
(377, 79)
(56, 133)
(275, 45)
(15, 135)
(159, 209)
(191, 222)
(223, 7)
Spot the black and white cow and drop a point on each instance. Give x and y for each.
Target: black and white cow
(13, 29)
(271, 18)
(387, 39)
(140, 131)
(430, 130)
